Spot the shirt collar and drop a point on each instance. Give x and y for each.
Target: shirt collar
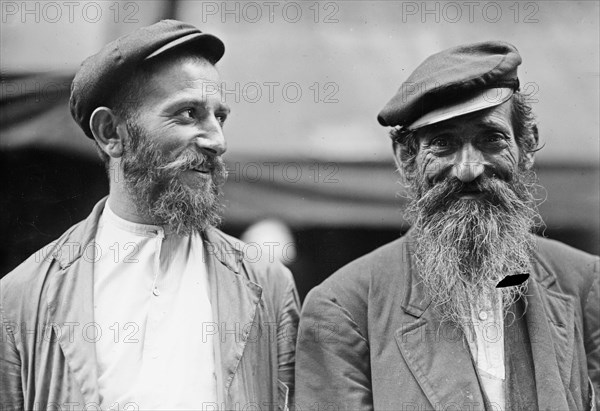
(109, 218)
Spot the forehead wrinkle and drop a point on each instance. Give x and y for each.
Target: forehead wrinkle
(208, 87)
(185, 70)
(450, 125)
(492, 122)
(185, 99)
(201, 89)
(192, 82)
(205, 102)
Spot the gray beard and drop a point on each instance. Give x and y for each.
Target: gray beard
(155, 184)
(464, 247)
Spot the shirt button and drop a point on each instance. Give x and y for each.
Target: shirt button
(483, 315)
(156, 292)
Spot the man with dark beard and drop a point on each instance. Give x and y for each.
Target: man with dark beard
(145, 304)
(468, 310)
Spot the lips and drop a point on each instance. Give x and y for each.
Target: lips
(201, 166)
(470, 192)
(203, 170)
(470, 188)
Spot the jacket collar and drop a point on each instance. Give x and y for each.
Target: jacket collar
(228, 253)
(78, 241)
(415, 300)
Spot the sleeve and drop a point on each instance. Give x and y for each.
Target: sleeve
(591, 328)
(332, 358)
(287, 331)
(11, 393)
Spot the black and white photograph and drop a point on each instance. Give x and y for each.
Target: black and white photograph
(299, 205)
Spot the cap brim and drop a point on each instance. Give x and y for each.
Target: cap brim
(486, 99)
(210, 46)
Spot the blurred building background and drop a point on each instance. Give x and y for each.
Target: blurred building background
(305, 81)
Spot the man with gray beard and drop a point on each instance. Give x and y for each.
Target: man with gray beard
(145, 304)
(468, 310)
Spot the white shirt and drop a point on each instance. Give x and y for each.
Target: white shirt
(487, 349)
(152, 306)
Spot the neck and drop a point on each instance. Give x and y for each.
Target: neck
(121, 203)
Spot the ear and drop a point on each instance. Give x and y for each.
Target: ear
(108, 131)
(529, 156)
(397, 156)
(528, 160)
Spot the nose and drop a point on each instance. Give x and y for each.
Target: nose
(469, 164)
(211, 139)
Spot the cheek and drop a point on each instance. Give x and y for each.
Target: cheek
(432, 166)
(505, 162)
(168, 141)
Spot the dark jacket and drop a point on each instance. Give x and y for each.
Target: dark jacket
(48, 361)
(370, 339)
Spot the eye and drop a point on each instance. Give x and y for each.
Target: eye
(494, 138)
(440, 141)
(187, 113)
(221, 118)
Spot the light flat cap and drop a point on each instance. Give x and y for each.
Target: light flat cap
(454, 82)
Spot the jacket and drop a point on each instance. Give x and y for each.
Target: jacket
(47, 358)
(369, 337)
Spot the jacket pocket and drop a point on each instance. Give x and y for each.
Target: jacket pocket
(283, 393)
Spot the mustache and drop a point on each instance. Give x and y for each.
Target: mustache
(504, 194)
(190, 159)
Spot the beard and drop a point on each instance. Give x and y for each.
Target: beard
(154, 182)
(464, 247)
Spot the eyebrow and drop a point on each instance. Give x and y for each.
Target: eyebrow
(195, 102)
(489, 124)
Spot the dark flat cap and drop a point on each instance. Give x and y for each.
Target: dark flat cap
(103, 73)
(454, 82)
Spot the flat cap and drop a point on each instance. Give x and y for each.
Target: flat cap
(103, 73)
(454, 82)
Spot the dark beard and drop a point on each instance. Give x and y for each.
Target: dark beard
(464, 247)
(154, 182)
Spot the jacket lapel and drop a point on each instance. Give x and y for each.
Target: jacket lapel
(550, 323)
(70, 303)
(436, 354)
(234, 300)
